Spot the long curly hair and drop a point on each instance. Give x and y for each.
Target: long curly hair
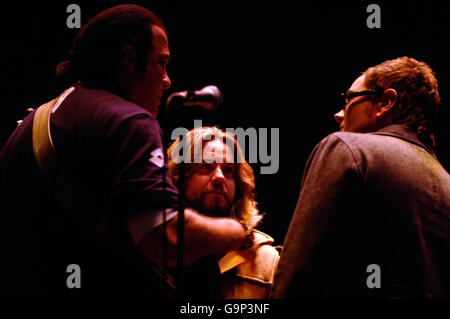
(245, 205)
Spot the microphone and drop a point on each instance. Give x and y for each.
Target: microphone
(208, 98)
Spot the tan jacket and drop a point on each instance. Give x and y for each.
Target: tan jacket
(249, 273)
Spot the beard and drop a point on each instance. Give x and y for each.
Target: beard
(213, 205)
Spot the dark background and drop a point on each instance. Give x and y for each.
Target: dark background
(279, 64)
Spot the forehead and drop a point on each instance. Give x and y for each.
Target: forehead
(358, 84)
(217, 151)
(160, 40)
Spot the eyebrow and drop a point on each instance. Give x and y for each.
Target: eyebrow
(233, 164)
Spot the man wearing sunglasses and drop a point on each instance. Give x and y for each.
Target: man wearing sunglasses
(373, 216)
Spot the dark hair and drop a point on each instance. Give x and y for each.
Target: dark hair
(96, 50)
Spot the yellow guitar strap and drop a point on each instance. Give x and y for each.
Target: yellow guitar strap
(42, 145)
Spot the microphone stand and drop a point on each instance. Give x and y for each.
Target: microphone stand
(189, 96)
(163, 123)
(181, 219)
(180, 225)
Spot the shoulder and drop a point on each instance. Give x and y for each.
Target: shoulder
(350, 140)
(360, 142)
(336, 152)
(100, 105)
(347, 156)
(359, 148)
(373, 156)
(257, 263)
(117, 106)
(264, 259)
(106, 112)
(262, 238)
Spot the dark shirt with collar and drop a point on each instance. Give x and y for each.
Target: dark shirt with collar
(114, 149)
(372, 220)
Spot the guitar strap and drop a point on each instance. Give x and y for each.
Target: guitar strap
(80, 206)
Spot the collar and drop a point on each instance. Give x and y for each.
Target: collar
(405, 133)
(238, 257)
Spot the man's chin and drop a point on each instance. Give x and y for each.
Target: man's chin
(154, 110)
(213, 206)
(215, 210)
(153, 107)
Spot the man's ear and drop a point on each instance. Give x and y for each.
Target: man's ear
(387, 103)
(128, 58)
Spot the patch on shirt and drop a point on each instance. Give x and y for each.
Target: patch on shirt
(157, 157)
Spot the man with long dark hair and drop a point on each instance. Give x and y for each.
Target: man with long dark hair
(220, 182)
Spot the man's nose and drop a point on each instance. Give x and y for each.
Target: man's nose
(339, 117)
(166, 82)
(218, 176)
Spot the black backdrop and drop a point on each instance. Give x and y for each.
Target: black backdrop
(280, 64)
